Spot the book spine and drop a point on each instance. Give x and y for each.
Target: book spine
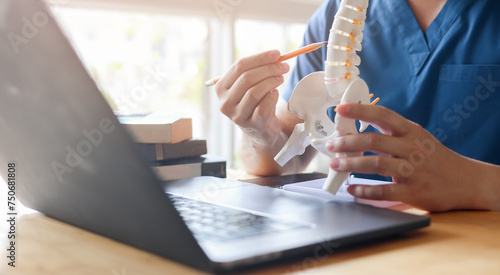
(166, 151)
(214, 169)
(177, 172)
(190, 167)
(158, 129)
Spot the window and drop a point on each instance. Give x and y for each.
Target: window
(142, 62)
(270, 35)
(154, 56)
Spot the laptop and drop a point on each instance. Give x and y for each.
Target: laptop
(77, 164)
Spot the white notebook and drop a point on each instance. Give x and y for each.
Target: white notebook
(314, 188)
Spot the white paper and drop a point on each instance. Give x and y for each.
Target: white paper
(314, 188)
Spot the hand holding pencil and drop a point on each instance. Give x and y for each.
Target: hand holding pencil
(292, 54)
(249, 97)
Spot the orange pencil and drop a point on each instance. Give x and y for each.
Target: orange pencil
(303, 50)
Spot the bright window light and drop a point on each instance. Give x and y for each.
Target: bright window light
(142, 62)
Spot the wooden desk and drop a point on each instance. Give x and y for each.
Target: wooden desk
(462, 242)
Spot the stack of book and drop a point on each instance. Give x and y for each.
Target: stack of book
(167, 144)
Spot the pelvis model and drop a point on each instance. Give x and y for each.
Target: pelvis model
(339, 83)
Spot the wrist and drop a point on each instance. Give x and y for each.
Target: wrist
(483, 181)
(263, 140)
(258, 158)
(490, 183)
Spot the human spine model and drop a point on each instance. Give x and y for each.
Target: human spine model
(339, 83)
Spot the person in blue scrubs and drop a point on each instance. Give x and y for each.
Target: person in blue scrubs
(435, 66)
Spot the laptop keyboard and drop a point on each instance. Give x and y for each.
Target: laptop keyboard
(211, 222)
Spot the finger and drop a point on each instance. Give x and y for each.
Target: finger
(256, 94)
(378, 143)
(245, 64)
(388, 192)
(254, 76)
(382, 118)
(377, 164)
(242, 111)
(266, 109)
(251, 87)
(271, 74)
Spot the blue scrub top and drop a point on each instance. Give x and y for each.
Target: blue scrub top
(446, 79)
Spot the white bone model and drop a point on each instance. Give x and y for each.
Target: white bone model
(318, 91)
